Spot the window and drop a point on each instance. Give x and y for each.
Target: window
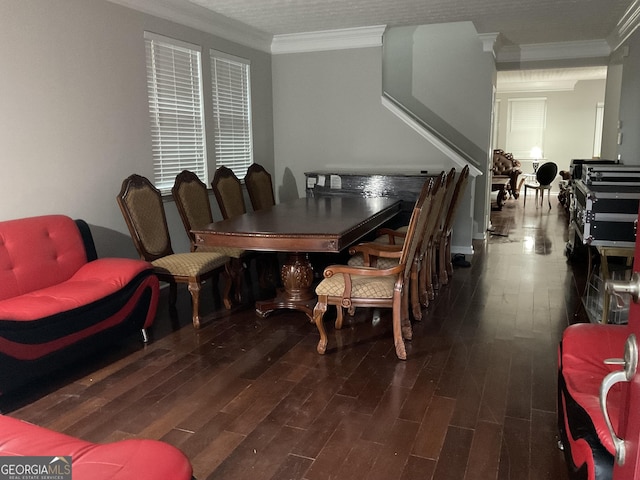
(175, 107)
(232, 112)
(526, 123)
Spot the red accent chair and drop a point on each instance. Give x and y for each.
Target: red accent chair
(587, 443)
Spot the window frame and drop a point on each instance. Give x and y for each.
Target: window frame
(232, 111)
(176, 109)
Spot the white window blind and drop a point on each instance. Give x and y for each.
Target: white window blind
(175, 107)
(526, 125)
(230, 77)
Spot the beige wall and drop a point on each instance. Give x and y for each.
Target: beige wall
(74, 110)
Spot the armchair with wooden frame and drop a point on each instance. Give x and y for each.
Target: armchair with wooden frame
(349, 287)
(192, 201)
(143, 211)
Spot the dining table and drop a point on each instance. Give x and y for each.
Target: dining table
(300, 227)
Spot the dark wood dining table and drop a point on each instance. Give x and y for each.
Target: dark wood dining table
(299, 227)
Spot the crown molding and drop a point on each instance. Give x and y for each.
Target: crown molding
(341, 39)
(554, 51)
(490, 43)
(542, 86)
(200, 18)
(626, 25)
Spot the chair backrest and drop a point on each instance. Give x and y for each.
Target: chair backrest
(417, 224)
(431, 225)
(546, 173)
(260, 187)
(142, 208)
(458, 191)
(448, 197)
(228, 191)
(192, 201)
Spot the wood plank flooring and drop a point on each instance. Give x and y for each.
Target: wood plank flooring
(249, 398)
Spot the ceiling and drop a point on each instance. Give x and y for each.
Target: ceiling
(518, 21)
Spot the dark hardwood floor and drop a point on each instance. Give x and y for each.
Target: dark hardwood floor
(249, 398)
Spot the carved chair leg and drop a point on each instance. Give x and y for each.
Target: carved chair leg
(423, 283)
(405, 321)
(447, 255)
(340, 315)
(431, 288)
(228, 283)
(442, 262)
(318, 314)
(194, 289)
(398, 341)
(414, 281)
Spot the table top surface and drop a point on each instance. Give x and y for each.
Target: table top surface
(327, 224)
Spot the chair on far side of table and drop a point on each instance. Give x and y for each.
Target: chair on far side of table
(192, 201)
(228, 191)
(230, 197)
(545, 175)
(260, 188)
(143, 211)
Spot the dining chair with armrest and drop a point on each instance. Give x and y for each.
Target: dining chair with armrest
(426, 257)
(260, 188)
(143, 211)
(394, 239)
(347, 287)
(192, 201)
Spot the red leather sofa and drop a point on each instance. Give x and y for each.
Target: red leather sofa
(588, 446)
(124, 460)
(58, 301)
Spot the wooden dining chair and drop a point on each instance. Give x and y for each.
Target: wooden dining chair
(443, 236)
(393, 240)
(345, 286)
(192, 201)
(143, 211)
(260, 188)
(422, 287)
(228, 191)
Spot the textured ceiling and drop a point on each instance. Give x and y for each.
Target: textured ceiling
(519, 21)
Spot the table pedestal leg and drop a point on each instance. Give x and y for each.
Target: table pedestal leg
(297, 294)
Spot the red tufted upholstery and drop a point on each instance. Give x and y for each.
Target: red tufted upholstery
(58, 301)
(124, 460)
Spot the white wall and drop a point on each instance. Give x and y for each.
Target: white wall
(570, 126)
(74, 111)
(629, 149)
